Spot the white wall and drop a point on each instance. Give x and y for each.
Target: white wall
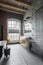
(37, 26)
(28, 14)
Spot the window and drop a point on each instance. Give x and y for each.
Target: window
(13, 29)
(27, 29)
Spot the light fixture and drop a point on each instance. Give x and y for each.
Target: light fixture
(28, 17)
(24, 20)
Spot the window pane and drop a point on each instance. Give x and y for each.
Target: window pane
(9, 26)
(27, 26)
(12, 22)
(12, 26)
(9, 22)
(9, 34)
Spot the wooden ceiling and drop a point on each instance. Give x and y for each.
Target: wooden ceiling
(15, 6)
(28, 2)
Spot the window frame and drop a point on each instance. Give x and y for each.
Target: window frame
(17, 20)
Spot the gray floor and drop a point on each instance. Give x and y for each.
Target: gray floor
(20, 56)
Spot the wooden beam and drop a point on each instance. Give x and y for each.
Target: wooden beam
(12, 8)
(25, 2)
(14, 5)
(16, 2)
(11, 11)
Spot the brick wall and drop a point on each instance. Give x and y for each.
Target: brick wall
(3, 23)
(3, 20)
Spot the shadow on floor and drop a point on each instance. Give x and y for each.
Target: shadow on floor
(3, 62)
(35, 51)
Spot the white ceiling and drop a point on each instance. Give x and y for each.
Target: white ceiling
(37, 3)
(31, 9)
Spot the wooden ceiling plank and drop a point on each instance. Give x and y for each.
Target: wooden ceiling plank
(25, 2)
(8, 10)
(13, 8)
(15, 5)
(15, 2)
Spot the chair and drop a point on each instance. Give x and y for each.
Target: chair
(7, 52)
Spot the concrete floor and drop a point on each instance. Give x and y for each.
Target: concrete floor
(20, 56)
